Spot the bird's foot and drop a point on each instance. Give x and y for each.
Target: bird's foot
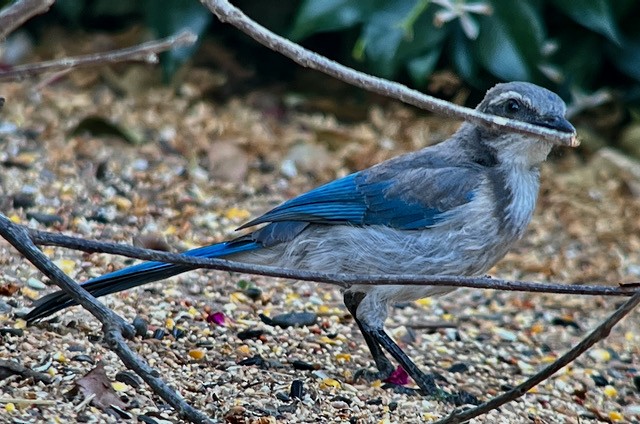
(463, 398)
(428, 388)
(402, 390)
(458, 399)
(370, 376)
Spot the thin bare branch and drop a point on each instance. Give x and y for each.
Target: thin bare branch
(599, 333)
(19, 12)
(234, 16)
(146, 52)
(113, 325)
(342, 280)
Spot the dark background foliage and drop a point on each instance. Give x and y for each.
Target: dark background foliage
(574, 47)
(562, 44)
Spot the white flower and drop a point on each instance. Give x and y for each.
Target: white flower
(452, 9)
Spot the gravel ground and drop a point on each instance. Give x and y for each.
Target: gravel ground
(202, 170)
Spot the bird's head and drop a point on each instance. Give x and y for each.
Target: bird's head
(529, 103)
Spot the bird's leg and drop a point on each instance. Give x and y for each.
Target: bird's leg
(384, 365)
(377, 340)
(426, 382)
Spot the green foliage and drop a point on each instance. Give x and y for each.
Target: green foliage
(163, 18)
(562, 43)
(566, 44)
(166, 18)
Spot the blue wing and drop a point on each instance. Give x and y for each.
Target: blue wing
(406, 200)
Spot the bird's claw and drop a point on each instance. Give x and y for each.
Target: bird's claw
(371, 375)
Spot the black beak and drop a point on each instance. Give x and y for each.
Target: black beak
(558, 123)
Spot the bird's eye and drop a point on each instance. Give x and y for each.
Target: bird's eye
(512, 106)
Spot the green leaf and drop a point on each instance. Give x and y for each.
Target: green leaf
(380, 47)
(622, 9)
(401, 31)
(593, 14)
(328, 15)
(117, 8)
(70, 9)
(627, 57)
(581, 62)
(461, 54)
(168, 17)
(509, 43)
(420, 68)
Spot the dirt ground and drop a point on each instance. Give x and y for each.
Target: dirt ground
(170, 168)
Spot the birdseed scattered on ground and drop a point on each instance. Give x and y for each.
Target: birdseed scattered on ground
(197, 329)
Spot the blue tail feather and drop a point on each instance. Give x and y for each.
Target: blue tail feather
(138, 275)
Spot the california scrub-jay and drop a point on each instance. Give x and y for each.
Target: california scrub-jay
(454, 208)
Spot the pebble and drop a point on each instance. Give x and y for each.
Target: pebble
(12, 332)
(610, 391)
(283, 397)
(253, 293)
(600, 355)
(5, 308)
(250, 334)
(292, 319)
(256, 360)
(297, 389)
(565, 322)
(129, 378)
(506, 335)
(76, 348)
(339, 405)
(330, 383)
(46, 219)
(36, 284)
(159, 334)
(141, 327)
(24, 200)
(632, 409)
(8, 128)
(217, 318)
(197, 354)
(600, 380)
(459, 368)
(304, 366)
(178, 332)
(83, 358)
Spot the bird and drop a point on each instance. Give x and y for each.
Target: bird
(453, 209)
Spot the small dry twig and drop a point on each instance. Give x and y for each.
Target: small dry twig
(17, 13)
(234, 16)
(146, 52)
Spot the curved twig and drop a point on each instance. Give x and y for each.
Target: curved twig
(19, 12)
(146, 52)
